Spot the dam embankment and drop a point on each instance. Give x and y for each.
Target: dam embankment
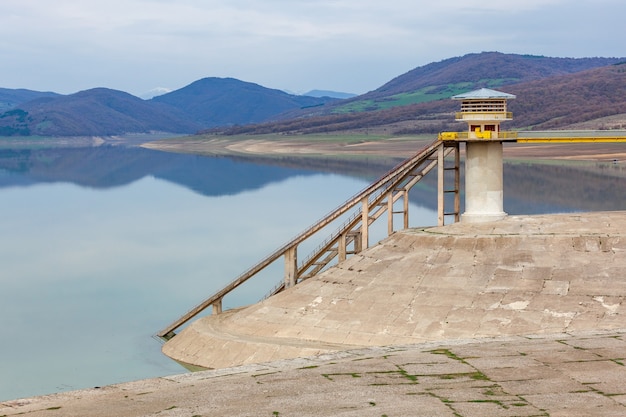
(524, 275)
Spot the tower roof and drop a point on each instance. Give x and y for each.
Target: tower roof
(483, 93)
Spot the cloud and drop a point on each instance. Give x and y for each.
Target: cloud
(343, 45)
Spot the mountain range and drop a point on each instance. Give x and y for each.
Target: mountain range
(205, 103)
(552, 93)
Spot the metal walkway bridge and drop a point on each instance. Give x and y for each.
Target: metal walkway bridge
(363, 209)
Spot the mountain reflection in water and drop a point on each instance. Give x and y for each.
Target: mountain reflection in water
(528, 188)
(113, 166)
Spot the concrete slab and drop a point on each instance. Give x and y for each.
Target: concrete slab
(504, 376)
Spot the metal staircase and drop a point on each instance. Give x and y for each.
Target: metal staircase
(358, 214)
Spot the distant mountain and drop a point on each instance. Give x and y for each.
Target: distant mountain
(418, 101)
(203, 104)
(11, 98)
(327, 93)
(486, 69)
(441, 80)
(94, 112)
(215, 102)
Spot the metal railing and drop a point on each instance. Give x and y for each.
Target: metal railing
(508, 135)
(484, 115)
(402, 175)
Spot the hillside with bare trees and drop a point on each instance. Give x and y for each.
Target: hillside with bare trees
(555, 101)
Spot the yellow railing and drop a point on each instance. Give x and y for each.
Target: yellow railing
(507, 135)
(465, 135)
(452, 135)
(464, 115)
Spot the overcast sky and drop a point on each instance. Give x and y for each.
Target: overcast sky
(297, 45)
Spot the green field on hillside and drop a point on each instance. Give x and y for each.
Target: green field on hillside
(423, 95)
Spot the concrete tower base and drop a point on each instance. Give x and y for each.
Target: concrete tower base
(483, 182)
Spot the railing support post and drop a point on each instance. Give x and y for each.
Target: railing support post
(390, 213)
(217, 306)
(358, 241)
(291, 266)
(342, 250)
(440, 186)
(457, 183)
(365, 223)
(405, 199)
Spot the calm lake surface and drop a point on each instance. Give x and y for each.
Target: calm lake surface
(102, 247)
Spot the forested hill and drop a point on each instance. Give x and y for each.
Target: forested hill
(203, 104)
(551, 93)
(227, 101)
(487, 69)
(10, 98)
(562, 102)
(95, 112)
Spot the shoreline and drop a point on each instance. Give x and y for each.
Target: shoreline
(345, 147)
(361, 146)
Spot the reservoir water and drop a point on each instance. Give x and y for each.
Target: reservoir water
(102, 247)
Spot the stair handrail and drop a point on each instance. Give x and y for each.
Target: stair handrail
(399, 169)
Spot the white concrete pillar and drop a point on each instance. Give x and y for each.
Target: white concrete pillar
(291, 267)
(483, 182)
(365, 223)
(342, 250)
